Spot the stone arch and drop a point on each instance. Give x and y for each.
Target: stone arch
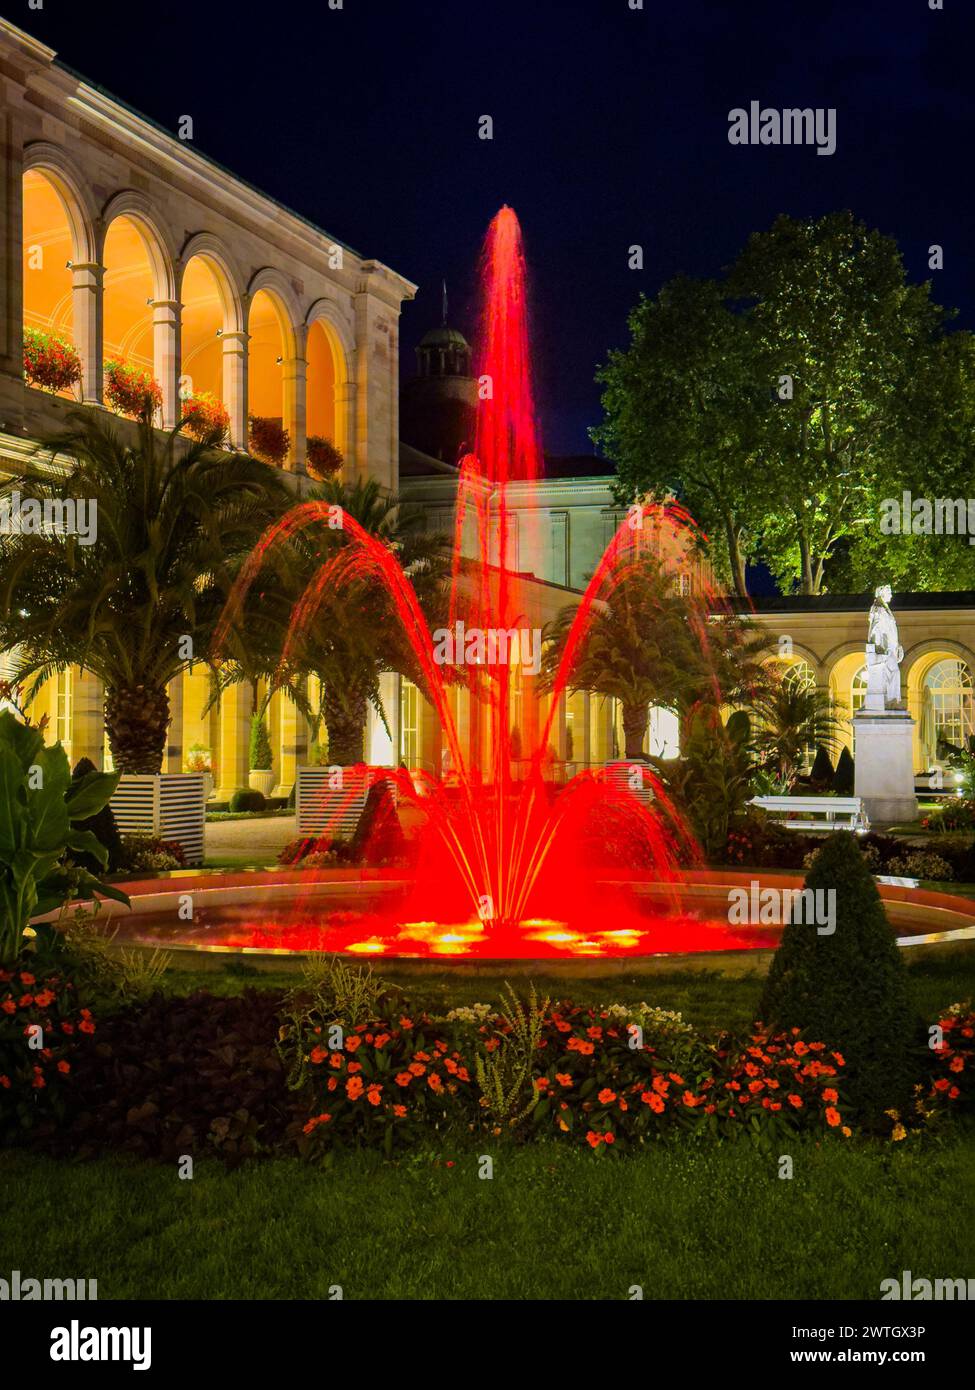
(279, 288)
(159, 244)
(918, 664)
(330, 375)
(50, 160)
(275, 368)
(211, 249)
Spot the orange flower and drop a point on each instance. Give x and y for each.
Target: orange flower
(609, 1137)
(25, 1001)
(318, 1054)
(434, 1082)
(838, 1058)
(690, 1100)
(64, 1067)
(26, 979)
(417, 1068)
(661, 1085)
(832, 1116)
(352, 1043)
(463, 1074)
(336, 1059)
(353, 1067)
(333, 1082)
(373, 1093)
(422, 1056)
(5, 1082)
(957, 1064)
(403, 1078)
(43, 999)
(563, 1078)
(606, 1096)
(406, 1023)
(830, 1095)
(87, 1026)
(796, 1102)
(593, 1139)
(354, 1087)
(8, 1006)
(399, 1111)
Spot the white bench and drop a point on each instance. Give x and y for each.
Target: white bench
(817, 812)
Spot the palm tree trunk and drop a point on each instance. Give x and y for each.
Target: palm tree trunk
(137, 721)
(345, 721)
(635, 718)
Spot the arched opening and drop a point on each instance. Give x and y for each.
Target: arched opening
(127, 333)
(324, 373)
(48, 286)
(269, 335)
(945, 707)
(206, 316)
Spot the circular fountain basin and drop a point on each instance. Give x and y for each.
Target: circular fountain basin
(278, 916)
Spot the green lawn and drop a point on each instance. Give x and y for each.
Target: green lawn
(551, 1224)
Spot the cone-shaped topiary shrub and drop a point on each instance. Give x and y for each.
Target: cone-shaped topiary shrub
(821, 775)
(849, 988)
(843, 777)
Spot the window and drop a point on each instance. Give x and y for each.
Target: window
(682, 584)
(559, 543)
(948, 687)
(63, 708)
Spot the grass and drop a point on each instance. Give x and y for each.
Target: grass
(551, 1223)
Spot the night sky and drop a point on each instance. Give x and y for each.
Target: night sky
(610, 128)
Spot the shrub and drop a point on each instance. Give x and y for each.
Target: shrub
(248, 799)
(821, 773)
(956, 814)
(41, 1027)
(261, 758)
(151, 854)
(102, 825)
(848, 988)
(760, 841)
(919, 863)
(131, 391)
(204, 417)
(322, 459)
(322, 849)
(269, 440)
(104, 972)
(844, 778)
(50, 361)
(40, 822)
(871, 856)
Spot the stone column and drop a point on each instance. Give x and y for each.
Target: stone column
(236, 708)
(87, 300)
(294, 373)
(166, 356)
(235, 385)
(345, 394)
(431, 739)
(175, 751)
(11, 237)
(292, 744)
(87, 717)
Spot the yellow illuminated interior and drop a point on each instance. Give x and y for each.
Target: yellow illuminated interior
(129, 292)
(47, 250)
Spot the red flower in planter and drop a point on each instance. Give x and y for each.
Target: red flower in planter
(50, 361)
(322, 459)
(204, 416)
(269, 440)
(131, 391)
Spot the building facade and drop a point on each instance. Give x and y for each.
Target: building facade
(119, 238)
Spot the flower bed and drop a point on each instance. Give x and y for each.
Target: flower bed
(41, 1030)
(50, 361)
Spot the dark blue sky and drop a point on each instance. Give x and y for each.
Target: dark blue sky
(610, 129)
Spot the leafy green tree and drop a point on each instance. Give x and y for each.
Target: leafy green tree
(792, 717)
(843, 778)
(175, 519)
(355, 634)
(646, 645)
(821, 772)
(683, 414)
(848, 988)
(785, 403)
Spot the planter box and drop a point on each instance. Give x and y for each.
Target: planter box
(327, 809)
(260, 780)
(169, 804)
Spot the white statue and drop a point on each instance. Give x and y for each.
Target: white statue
(884, 654)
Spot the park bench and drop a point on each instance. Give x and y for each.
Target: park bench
(816, 812)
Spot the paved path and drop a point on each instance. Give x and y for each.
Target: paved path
(249, 841)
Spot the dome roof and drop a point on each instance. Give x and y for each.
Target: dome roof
(444, 338)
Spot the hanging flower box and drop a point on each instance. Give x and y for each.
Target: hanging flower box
(205, 417)
(322, 459)
(130, 390)
(269, 440)
(50, 361)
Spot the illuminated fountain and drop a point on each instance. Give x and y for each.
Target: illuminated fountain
(500, 872)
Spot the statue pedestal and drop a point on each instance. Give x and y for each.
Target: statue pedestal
(884, 775)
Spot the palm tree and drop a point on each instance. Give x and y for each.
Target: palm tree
(648, 645)
(790, 717)
(175, 519)
(356, 634)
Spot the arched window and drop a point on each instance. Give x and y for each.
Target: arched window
(204, 318)
(48, 251)
(323, 375)
(130, 293)
(949, 689)
(267, 349)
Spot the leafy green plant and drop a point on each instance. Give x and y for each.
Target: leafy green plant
(844, 776)
(504, 1072)
(261, 757)
(124, 974)
(40, 807)
(247, 799)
